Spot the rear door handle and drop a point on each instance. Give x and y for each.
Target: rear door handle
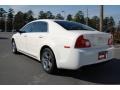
(40, 37)
(25, 36)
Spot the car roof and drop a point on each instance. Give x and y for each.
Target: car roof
(48, 20)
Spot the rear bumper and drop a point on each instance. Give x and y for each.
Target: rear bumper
(81, 57)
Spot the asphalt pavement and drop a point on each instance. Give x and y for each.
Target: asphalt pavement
(22, 70)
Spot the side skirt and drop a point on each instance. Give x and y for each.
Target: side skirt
(30, 55)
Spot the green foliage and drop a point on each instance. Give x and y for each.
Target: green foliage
(19, 20)
(59, 16)
(2, 12)
(109, 24)
(10, 13)
(111, 21)
(69, 17)
(94, 22)
(22, 18)
(10, 20)
(45, 15)
(79, 17)
(50, 15)
(42, 15)
(28, 16)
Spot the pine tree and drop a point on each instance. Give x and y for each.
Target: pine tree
(69, 17)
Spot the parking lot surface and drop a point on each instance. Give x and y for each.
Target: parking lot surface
(23, 70)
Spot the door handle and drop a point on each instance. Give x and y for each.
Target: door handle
(40, 37)
(25, 36)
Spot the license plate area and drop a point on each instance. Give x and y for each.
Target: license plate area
(102, 55)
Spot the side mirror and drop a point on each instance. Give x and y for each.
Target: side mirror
(21, 32)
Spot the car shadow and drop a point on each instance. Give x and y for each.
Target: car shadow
(104, 73)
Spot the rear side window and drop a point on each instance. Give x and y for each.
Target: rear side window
(74, 26)
(39, 27)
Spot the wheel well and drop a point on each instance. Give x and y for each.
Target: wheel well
(12, 39)
(50, 49)
(43, 49)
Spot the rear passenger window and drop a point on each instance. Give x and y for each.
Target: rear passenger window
(39, 27)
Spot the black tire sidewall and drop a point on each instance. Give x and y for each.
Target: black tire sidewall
(15, 51)
(53, 61)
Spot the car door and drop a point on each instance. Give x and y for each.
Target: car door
(35, 39)
(23, 37)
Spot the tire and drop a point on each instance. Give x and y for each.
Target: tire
(48, 61)
(14, 48)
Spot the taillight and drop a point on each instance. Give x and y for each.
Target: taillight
(110, 41)
(81, 42)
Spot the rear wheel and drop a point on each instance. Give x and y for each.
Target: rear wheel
(14, 48)
(48, 61)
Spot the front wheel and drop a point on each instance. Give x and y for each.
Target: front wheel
(14, 48)
(48, 61)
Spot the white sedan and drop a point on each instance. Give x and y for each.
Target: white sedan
(62, 44)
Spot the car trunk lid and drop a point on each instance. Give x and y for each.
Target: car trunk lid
(96, 38)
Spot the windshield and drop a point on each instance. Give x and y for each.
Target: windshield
(74, 25)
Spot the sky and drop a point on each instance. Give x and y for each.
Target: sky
(93, 10)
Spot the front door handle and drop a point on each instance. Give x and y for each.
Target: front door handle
(25, 36)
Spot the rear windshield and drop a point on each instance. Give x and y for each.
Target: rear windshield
(74, 26)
